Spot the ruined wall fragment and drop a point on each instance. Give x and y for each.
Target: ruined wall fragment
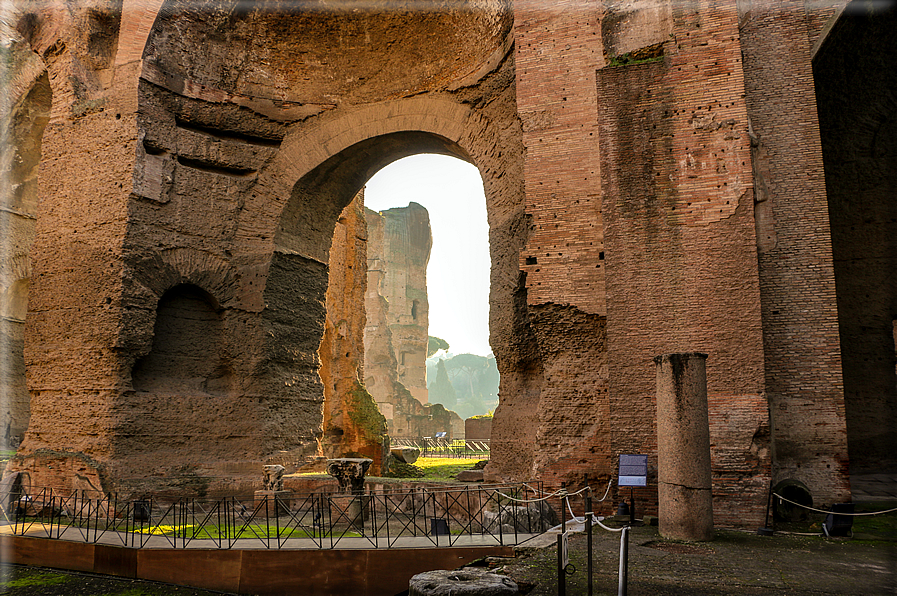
(353, 425)
(74, 294)
(211, 195)
(396, 334)
(398, 254)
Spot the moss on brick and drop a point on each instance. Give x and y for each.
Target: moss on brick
(365, 414)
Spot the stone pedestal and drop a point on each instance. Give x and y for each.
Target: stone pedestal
(685, 504)
(350, 509)
(279, 501)
(350, 502)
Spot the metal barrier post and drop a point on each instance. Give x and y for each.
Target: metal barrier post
(562, 572)
(588, 516)
(562, 575)
(624, 562)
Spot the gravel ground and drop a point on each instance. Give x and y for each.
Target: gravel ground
(733, 563)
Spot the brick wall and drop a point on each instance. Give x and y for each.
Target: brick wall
(680, 246)
(558, 49)
(478, 429)
(800, 318)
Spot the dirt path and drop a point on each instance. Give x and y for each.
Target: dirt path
(734, 563)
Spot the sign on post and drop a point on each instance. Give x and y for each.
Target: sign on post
(633, 470)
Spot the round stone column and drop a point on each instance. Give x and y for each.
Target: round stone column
(685, 504)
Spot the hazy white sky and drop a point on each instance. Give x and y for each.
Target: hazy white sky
(458, 273)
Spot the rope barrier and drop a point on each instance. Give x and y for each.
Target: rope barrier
(562, 493)
(515, 499)
(781, 498)
(606, 492)
(597, 521)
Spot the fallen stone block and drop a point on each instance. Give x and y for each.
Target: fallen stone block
(406, 455)
(465, 582)
(470, 476)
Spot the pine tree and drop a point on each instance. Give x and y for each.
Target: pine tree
(441, 391)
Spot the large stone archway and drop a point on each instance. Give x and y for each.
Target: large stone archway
(237, 185)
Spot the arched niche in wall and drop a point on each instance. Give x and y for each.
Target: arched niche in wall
(187, 354)
(22, 127)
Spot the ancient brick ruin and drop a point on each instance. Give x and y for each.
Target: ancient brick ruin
(396, 335)
(660, 176)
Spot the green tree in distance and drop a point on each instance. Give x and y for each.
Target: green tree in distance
(441, 391)
(434, 344)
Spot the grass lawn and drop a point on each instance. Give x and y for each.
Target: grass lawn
(443, 468)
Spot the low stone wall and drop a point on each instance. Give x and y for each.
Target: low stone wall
(364, 572)
(478, 429)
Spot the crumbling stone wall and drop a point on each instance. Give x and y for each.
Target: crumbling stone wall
(353, 424)
(647, 192)
(396, 335)
(398, 253)
(208, 172)
(72, 342)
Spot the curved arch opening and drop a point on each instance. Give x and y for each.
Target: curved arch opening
(21, 134)
(454, 308)
(323, 241)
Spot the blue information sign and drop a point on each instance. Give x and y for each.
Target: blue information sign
(633, 470)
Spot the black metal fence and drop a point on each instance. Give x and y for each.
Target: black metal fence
(430, 516)
(457, 448)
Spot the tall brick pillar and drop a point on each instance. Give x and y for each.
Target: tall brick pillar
(801, 343)
(685, 503)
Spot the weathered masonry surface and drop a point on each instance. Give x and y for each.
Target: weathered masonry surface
(660, 177)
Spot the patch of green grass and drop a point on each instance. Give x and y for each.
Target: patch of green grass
(37, 579)
(443, 468)
(217, 531)
(881, 526)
